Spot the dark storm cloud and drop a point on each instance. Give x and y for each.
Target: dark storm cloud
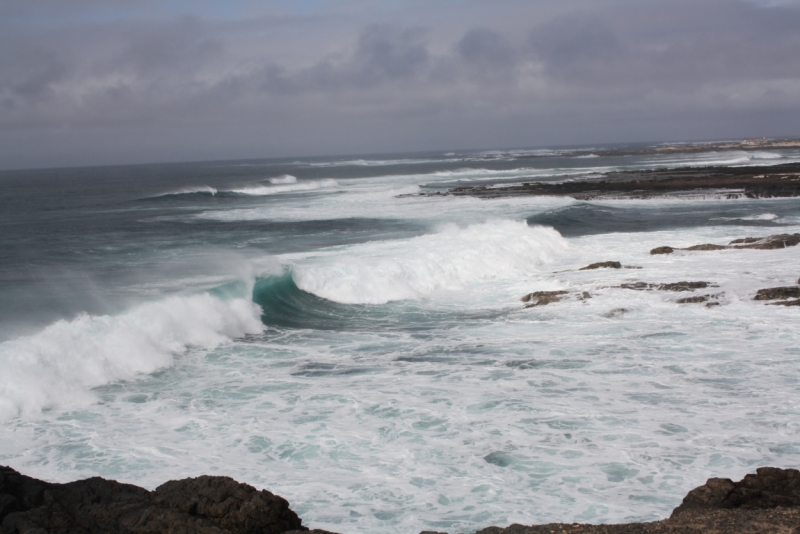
(113, 82)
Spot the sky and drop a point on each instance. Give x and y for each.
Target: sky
(96, 82)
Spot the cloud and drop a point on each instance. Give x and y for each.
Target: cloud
(120, 83)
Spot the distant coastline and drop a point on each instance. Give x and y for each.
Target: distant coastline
(756, 181)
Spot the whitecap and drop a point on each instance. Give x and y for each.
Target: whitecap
(289, 187)
(57, 367)
(285, 179)
(376, 273)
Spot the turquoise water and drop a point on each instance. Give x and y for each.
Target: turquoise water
(318, 329)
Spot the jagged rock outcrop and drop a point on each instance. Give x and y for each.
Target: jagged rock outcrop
(662, 250)
(203, 505)
(602, 265)
(769, 487)
(767, 502)
(674, 286)
(781, 294)
(710, 300)
(543, 298)
(778, 293)
(761, 503)
(758, 243)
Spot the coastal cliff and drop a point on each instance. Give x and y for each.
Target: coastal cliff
(765, 502)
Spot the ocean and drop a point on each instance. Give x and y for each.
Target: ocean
(318, 328)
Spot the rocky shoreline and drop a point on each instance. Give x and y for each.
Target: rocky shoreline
(728, 182)
(777, 296)
(765, 502)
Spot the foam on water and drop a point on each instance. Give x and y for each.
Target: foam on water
(377, 273)
(288, 187)
(203, 189)
(396, 383)
(57, 367)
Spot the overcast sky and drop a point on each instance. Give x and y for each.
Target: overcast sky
(86, 82)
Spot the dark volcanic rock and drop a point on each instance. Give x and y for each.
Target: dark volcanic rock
(758, 243)
(770, 487)
(707, 246)
(543, 298)
(765, 503)
(683, 286)
(726, 182)
(786, 303)
(778, 293)
(603, 264)
(675, 286)
(694, 300)
(769, 242)
(213, 505)
(662, 250)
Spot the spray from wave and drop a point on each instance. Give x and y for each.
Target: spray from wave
(285, 179)
(58, 366)
(288, 187)
(376, 273)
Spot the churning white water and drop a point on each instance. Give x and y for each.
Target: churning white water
(378, 368)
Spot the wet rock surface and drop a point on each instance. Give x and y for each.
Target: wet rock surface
(543, 298)
(778, 293)
(662, 250)
(710, 300)
(206, 504)
(757, 243)
(728, 182)
(765, 502)
(762, 503)
(674, 286)
(603, 265)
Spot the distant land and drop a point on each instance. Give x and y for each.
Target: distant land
(728, 181)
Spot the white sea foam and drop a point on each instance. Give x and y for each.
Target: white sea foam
(456, 408)
(377, 273)
(762, 217)
(57, 367)
(290, 187)
(285, 179)
(191, 190)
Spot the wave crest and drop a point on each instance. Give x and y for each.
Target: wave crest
(377, 273)
(57, 367)
(263, 190)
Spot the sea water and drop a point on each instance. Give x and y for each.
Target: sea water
(318, 328)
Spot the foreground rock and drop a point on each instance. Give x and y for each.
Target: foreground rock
(758, 243)
(762, 503)
(203, 505)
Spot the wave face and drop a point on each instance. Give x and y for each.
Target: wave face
(417, 267)
(285, 179)
(57, 367)
(362, 341)
(289, 187)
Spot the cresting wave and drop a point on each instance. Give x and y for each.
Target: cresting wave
(377, 273)
(285, 179)
(57, 367)
(288, 187)
(199, 190)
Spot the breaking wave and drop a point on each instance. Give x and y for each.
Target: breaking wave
(376, 273)
(263, 190)
(57, 367)
(285, 179)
